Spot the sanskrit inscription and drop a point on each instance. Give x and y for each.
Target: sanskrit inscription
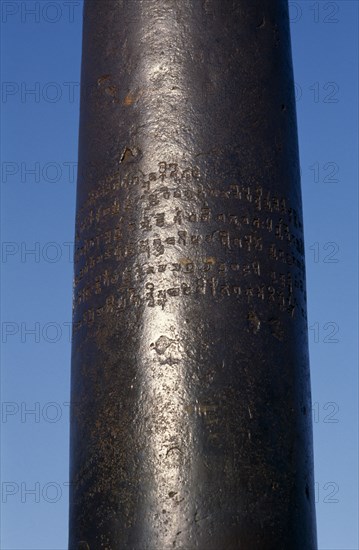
(171, 233)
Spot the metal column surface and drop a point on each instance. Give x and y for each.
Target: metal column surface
(191, 409)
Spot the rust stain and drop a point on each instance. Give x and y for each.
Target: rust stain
(129, 100)
(103, 78)
(185, 261)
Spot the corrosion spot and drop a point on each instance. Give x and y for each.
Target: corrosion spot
(172, 450)
(103, 78)
(185, 261)
(129, 100)
(253, 321)
(127, 155)
(162, 344)
(111, 90)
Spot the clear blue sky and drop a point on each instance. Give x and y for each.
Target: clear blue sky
(41, 52)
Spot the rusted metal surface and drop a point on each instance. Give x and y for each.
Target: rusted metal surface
(190, 424)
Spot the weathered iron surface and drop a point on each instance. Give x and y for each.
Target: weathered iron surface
(191, 408)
